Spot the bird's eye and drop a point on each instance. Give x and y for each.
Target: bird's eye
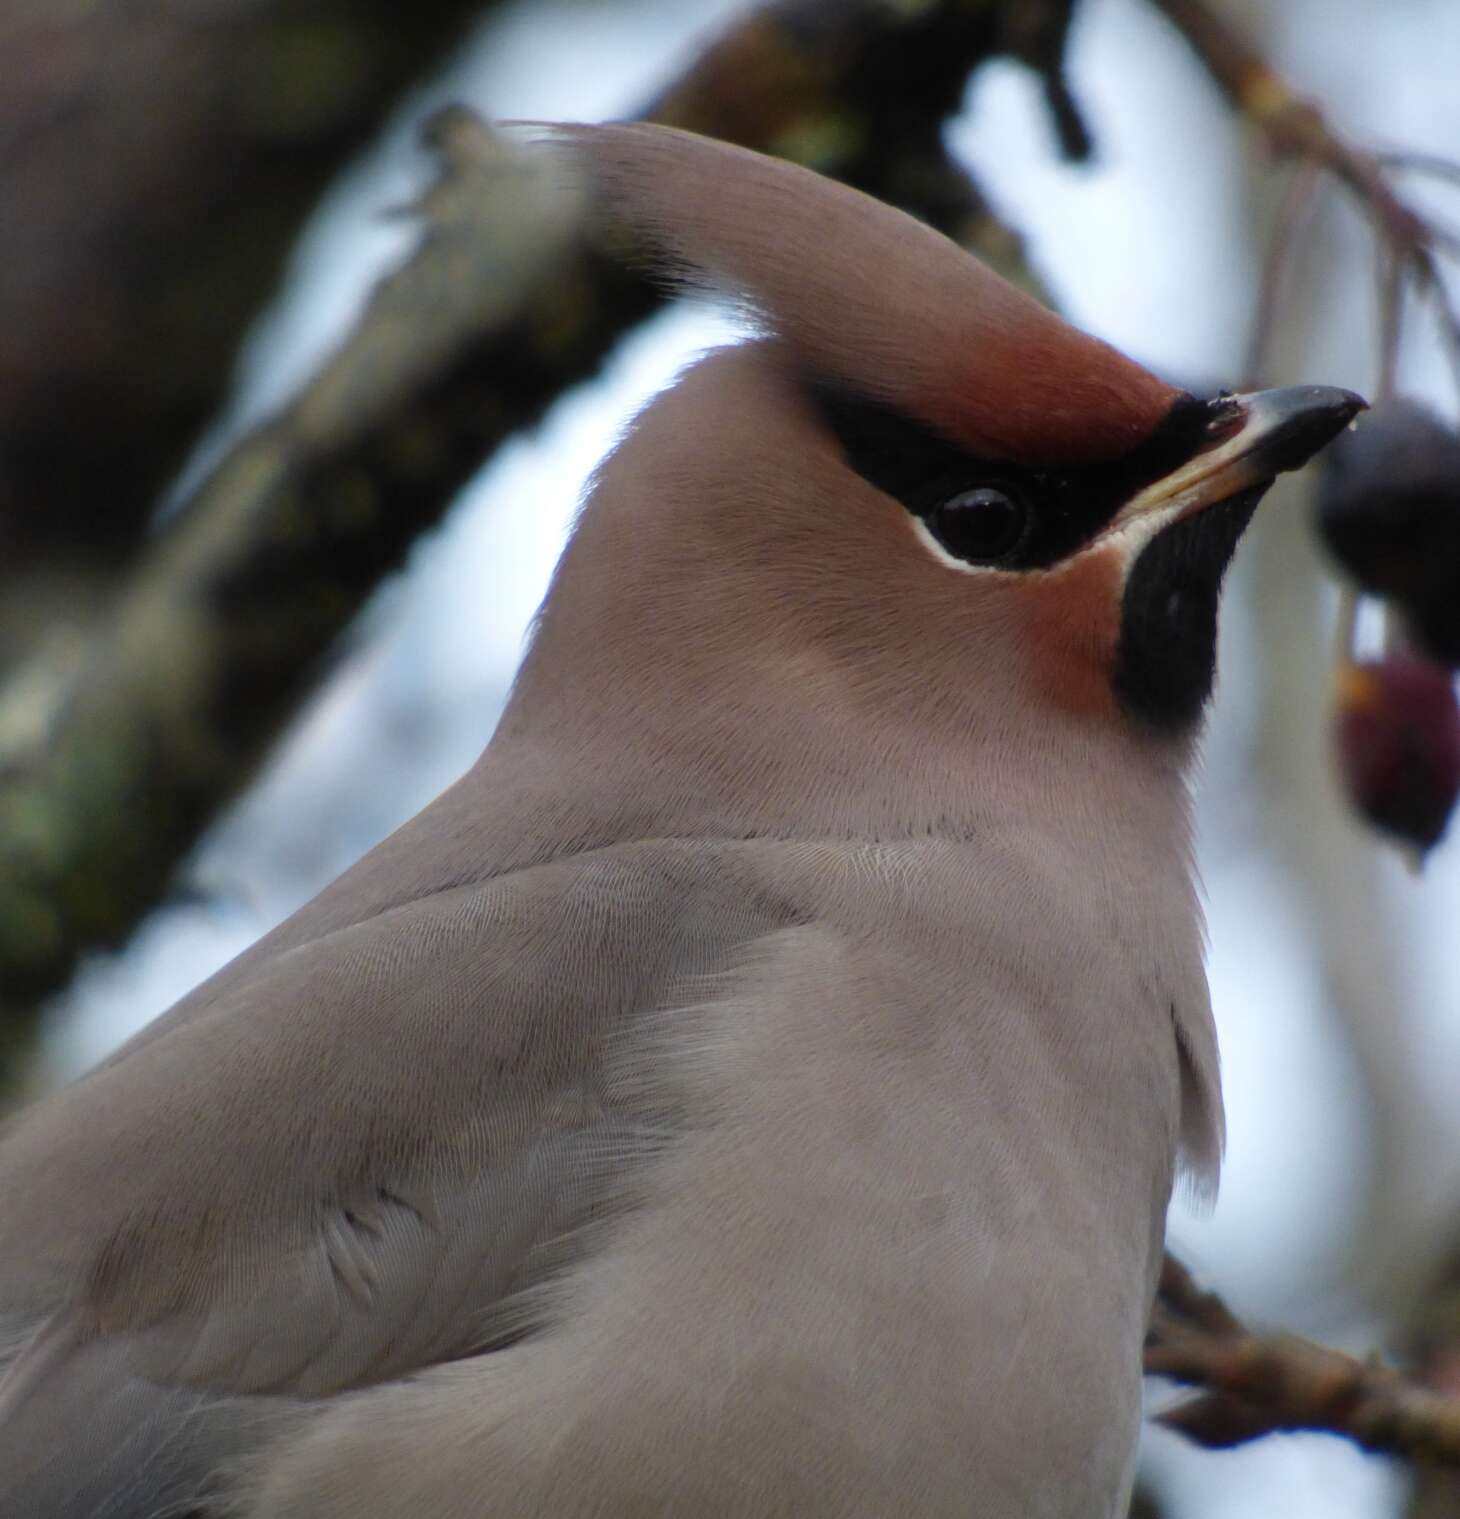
(980, 526)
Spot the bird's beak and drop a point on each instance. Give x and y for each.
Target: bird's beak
(1251, 439)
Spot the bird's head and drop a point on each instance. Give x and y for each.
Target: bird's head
(916, 494)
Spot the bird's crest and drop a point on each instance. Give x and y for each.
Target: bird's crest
(866, 296)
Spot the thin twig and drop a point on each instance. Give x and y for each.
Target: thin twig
(1444, 236)
(1293, 213)
(1346, 625)
(1390, 322)
(1408, 161)
(1254, 1385)
(1448, 319)
(1295, 127)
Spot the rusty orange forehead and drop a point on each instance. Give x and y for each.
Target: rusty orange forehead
(861, 294)
(1032, 388)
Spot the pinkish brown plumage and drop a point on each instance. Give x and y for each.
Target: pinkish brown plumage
(864, 292)
(757, 1085)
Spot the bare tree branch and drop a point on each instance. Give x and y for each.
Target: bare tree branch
(159, 157)
(1295, 127)
(1254, 1385)
(1432, 1344)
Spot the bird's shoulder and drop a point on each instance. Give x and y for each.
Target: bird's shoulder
(330, 1166)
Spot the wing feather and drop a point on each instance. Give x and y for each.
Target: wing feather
(354, 1163)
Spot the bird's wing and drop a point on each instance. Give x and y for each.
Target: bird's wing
(844, 1291)
(97, 1441)
(354, 1162)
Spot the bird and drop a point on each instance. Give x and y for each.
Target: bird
(757, 1085)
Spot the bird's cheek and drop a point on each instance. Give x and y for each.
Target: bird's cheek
(1069, 622)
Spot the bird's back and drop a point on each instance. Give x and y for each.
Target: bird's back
(283, 1196)
(853, 1276)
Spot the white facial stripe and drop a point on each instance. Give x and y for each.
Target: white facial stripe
(1191, 486)
(1128, 539)
(936, 549)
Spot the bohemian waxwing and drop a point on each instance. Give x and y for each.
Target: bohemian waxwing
(756, 1087)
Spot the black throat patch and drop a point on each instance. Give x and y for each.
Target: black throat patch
(1166, 660)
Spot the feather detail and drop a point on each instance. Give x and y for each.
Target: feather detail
(865, 294)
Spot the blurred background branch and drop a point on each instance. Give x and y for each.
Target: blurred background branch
(109, 769)
(1262, 1384)
(1298, 128)
(157, 160)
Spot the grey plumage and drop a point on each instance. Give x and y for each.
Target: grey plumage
(756, 1087)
